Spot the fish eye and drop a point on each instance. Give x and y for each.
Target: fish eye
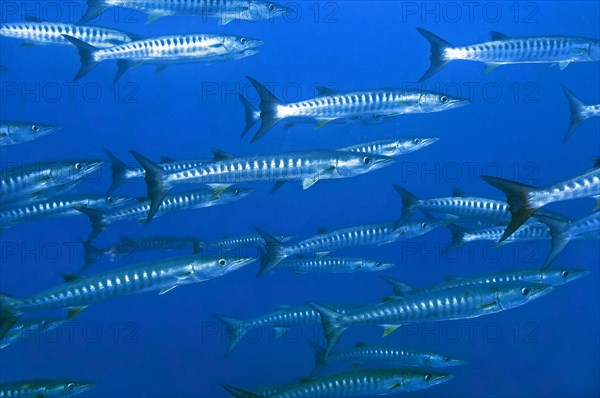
(243, 40)
(222, 262)
(427, 378)
(424, 225)
(110, 199)
(272, 7)
(446, 359)
(565, 274)
(525, 291)
(416, 141)
(35, 128)
(237, 192)
(71, 386)
(78, 166)
(367, 160)
(444, 99)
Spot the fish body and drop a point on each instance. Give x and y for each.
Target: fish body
(282, 319)
(363, 235)
(359, 106)
(579, 112)
(462, 302)
(235, 244)
(207, 48)
(43, 389)
(225, 10)
(504, 50)
(308, 167)
(34, 327)
(12, 133)
(391, 147)
(52, 33)
(358, 383)
(336, 265)
(525, 200)
(63, 206)
(23, 183)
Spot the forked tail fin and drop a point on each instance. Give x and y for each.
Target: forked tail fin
(235, 329)
(274, 253)
(97, 219)
(252, 114)
(118, 171)
(157, 188)
(560, 237)
(576, 107)
(268, 109)
(438, 59)
(333, 325)
(517, 196)
(320, 358)
(8, 314)
(86, 56)
(94, 9)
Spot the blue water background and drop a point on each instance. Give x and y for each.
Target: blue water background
(171, 345)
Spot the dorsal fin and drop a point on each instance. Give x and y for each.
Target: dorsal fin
(457, 192)
(70, 277)
(452, 278)
(596, 160)
(360, 344)
(323, 91)
(166, 159)
(497, 35)
(32, 18)
(220, 155)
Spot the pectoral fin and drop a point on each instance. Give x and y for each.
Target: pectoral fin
(309, 182)
(322, 122)
(387, 329)
(278, 186)
(490, 67)
(488, 306)
(74, 311)
(563, 65)
(166, 290)
(153, 18)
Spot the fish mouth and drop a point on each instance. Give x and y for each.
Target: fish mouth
(239, 263)
(455, 362)
(94, 165)
(82, 387)
(577, 273)
(440, 378)
(50, 129)
(540, 290)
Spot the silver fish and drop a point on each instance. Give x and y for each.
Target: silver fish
(80, 291)
(236, 244)
(358, 383)
(19, 132)
(283, 318)
(380, 355)
(504, 50)
(44, 388)
(32, 327)
(207, 48)
(359, 105)
(184, 201)
(308, 167)
(225, 10)
(63, 206)
(525, 200)
(362, 235)
(554, 277)
(25, 182)
(337, 265)
(579, 112)
(462, 302)
(392, 147)
(38, 32)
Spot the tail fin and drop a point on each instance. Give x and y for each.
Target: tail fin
(238, 393)
(119, 171)
(274, 254)
(91, 254)
(333, 325)
(8, 315)
(437, 59)
(398, 287)
(268, 109)
(458, 237)
(86, 55)
(252, 114)
(560, 238)
(94, 9)
(157, 189)
(408, 202)
(97, 219)
(575, 105)
(235, 329)
(517, 196)
(320, 358)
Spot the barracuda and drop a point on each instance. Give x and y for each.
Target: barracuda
(383, 355)
(38, 32)
(362, 235)
(121, 172)
(43, 389)
(23, 183)
(184, 201)
(337, 265)
(391, 147)
(282, 319)
(80, 291)
(207, 48)
(504, 50)
(31, 327)
(358, 106)
(579, 112)
(525, 200)
(225, 10)
(358, 383)
(63, 206)
(308, 167)
(448, 304)
(236, 243)
(12, 133)
(554, 277)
